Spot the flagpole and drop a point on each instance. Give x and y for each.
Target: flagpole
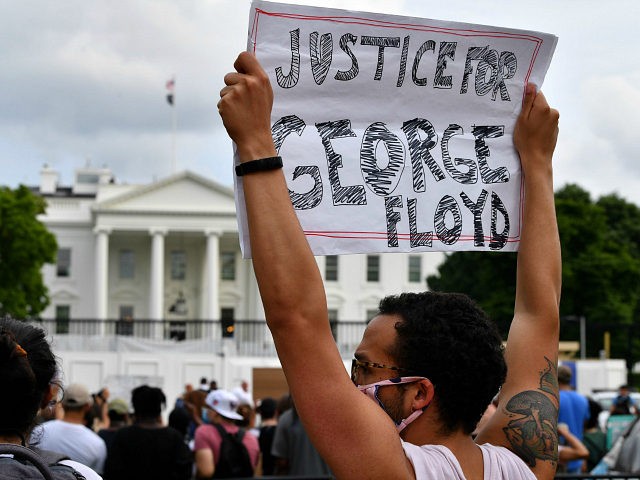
(171, 99)
(174, 125)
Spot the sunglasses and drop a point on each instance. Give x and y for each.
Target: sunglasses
(355, 364)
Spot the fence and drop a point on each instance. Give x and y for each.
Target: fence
(240, 337)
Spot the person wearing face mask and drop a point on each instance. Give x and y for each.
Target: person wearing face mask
(429, 363)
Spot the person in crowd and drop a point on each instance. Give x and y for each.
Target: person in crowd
(429, 363)
(29, 372)
(70, 435)
(180, 420)
(594, 438)
(147, 448)
(266, 433)
(97, 417)
(204, 387)
(242, 392)
(292, 449)
(118, 412)
(220, 413)
(572, 448)
(213, 385)
(574, 412)
(193, 401)
(623, 404)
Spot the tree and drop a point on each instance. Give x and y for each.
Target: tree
(25, 246)
(600, 270)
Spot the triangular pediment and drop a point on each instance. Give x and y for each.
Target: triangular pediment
(184, 193)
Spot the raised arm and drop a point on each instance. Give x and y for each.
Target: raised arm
(528, 408)
(348, 429)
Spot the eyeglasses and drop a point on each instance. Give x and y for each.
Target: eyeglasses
(355, 364)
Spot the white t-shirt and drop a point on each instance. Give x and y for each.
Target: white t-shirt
(437, 462)
(76, 441)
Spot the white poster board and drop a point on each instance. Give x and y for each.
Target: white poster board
(396, 132)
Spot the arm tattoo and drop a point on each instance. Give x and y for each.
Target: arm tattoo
(532, 431)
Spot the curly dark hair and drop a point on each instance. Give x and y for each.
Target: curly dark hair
(449, 339)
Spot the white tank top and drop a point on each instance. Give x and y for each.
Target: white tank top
(436, 462)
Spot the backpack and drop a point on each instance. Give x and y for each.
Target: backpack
(34, 464)
(234, 459)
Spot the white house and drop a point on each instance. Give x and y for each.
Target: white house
(142, 266)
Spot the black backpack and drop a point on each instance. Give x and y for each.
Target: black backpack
(34, 464)
(234, 459)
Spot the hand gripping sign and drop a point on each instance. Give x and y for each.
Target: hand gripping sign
(396, 132)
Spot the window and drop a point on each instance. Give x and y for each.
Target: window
(63, 314)
(373, 268)
(64, 262)
(126, 312)
(228, 260)
(127, 264)
(331, 268)
(415, 268)
(178, 265)
(227, 321)
(333, 322)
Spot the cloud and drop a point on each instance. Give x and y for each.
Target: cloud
(612, 106)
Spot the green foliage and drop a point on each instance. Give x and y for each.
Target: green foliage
(25, 245)
(600, 271)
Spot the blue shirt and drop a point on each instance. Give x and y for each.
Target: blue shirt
(574, 411)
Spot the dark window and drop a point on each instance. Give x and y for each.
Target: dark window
(227, 321)
(64, 262)
(228, 266)
(333, 322)
(124, 326)
(331, 268)
(178, 265)
(415, 268)
(127, 264)
(63, 314)
(373, 268)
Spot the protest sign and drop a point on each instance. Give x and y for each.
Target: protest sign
(396, 132)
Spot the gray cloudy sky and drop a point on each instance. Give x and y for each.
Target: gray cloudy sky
(84, 81)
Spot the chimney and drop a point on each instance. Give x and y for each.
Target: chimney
(48, 180)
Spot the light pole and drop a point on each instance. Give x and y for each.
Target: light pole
(583, 332)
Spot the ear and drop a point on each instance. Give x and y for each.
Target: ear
(48, 395)
(424, 393)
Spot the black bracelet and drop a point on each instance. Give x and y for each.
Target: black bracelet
(260, 165)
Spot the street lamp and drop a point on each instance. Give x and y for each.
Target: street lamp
(583, 334)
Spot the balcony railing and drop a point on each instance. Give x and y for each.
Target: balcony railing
(239, 337)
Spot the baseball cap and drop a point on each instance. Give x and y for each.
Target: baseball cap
(76, 395)
(223, 402)
(119, 406)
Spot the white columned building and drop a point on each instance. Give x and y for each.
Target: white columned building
(166, 255)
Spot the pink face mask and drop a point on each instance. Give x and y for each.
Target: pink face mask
(371, 391)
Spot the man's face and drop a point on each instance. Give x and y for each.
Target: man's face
(376, 346)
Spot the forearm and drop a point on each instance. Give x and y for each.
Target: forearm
(288, 276)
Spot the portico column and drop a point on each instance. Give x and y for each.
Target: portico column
(156, 293)
(101, 274)
(213, 275)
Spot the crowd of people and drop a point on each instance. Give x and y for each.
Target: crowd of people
(210, 432)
